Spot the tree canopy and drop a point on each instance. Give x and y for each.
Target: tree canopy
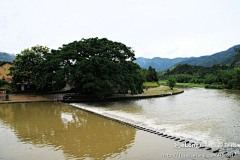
(28, 66)
(95, 66)
(171, 82)
(151, 75)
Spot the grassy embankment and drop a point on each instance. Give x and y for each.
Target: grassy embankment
(154, 88)
(184, 84)
(4, 89)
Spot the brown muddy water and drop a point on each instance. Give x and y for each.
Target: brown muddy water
(60, 131)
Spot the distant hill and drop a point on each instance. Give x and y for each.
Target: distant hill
(6, 57)
(224, 57)
(160, 64)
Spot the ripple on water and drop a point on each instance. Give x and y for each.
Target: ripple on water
(206, 115)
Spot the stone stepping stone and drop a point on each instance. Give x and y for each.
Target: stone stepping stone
(176, 139)
(222, 153)
(216, 150)
(201, 147)
(229, 155)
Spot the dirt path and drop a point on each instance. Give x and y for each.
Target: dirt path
(14, 98)
(159, 90)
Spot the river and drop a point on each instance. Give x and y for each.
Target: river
(59, 131)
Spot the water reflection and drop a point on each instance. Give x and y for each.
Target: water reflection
(77, 133)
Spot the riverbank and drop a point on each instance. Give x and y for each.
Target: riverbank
(148, 93)
(184, 84)
(161, 91)
(24, 98)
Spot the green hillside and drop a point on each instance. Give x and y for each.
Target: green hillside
(160, 64)
(222, 58)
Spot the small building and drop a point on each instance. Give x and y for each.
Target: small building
(4, 70)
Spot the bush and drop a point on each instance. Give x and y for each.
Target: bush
(209, 79)
(183, 78)
(220, 87)
(2, 82)
(196, 80)
(207, 86)
(215, 86)
(4, 89)
(171, 82)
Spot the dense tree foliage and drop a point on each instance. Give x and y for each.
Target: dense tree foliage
(95, 66)
(151, 75)
(227, 76)
(198, 71)
(28, 66)
(237, 56)
(237, 77)
(3, 82)
(144, 73)
(171, 82)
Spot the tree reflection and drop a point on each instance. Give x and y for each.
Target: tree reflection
(77, 133)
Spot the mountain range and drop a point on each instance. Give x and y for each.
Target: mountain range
(162, 64)
(6, 57)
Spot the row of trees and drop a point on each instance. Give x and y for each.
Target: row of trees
(149, 75)
(102, 66)
(226, 76)
(91, 65)
(222, 75)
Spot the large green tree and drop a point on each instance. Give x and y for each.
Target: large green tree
(171, 82)
(151, 75)
(95, 66)
(28, 66)
(144, 72)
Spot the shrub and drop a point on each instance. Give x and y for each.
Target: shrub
(2, 82)
(4, 89)
(215, 86)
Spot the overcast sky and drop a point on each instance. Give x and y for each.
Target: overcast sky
(153, 28)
